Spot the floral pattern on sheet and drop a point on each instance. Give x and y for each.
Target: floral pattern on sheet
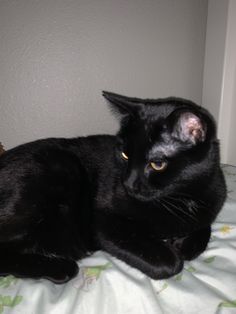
(88, 276)
(229, 304)
(8, 300)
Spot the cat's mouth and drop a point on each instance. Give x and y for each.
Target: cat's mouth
(144, 196)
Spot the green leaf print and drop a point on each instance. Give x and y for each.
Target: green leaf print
(178, 277)
(209, 259)
(228, 304)
(7, 300)
(191, 269)
(17, 299)
(5, 282)
(213, 238)
(165, 285)
(95, 271)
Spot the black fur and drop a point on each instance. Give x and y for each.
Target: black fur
(62, 199)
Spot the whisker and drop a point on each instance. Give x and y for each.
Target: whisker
(193, 208)
(181, 210)
(172, 212)
(184, 201)
(188, 196)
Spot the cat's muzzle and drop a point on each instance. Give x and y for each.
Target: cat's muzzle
(138, 192)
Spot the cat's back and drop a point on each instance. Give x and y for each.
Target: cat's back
(95, 151)
(53, 158)
(84, 148)
(46, 180)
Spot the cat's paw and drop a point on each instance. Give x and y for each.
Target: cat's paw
(61, 271)
(167, 269)
(166, 264)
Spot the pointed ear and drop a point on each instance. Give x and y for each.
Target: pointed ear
(122, 104)
(188, 126)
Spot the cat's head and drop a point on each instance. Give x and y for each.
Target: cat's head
(164, 146)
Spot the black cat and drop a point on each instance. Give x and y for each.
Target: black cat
(147, 196)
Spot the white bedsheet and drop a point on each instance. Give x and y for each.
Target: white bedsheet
(106, 285)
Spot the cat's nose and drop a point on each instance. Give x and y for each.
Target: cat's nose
(131, 184)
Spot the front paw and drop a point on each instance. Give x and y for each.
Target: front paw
(167, 264)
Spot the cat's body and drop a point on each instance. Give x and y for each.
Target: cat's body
(61, 199)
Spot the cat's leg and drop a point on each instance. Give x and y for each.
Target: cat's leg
(35, 266)
(158, 260)
(125, 240)
(193, 245)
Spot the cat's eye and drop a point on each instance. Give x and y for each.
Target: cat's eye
(158, 165)
(124, 156)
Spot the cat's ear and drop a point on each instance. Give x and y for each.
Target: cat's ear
(188, 126)
(123, 105)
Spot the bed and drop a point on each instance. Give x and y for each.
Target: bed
(106, 285)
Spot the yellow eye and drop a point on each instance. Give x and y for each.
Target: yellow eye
(124, 156)
(158, 166)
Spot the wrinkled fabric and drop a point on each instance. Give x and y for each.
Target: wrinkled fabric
(106, 285)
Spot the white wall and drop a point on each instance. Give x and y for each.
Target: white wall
(56, 56)
(231, 148)
(214, 55)
(227, 116)
(219, 84)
